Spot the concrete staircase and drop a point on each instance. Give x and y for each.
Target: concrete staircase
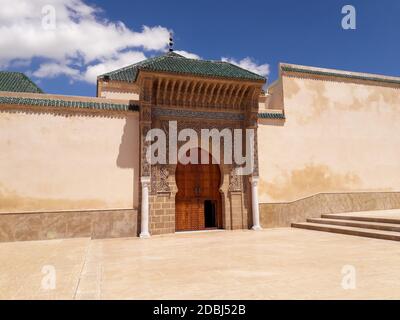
(379, 226)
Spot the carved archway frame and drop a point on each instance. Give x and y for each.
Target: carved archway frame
(233, 188)
(190, 106)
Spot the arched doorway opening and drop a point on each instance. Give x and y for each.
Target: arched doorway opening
(198, 204)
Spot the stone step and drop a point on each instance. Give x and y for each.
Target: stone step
(361, 218)
(358, 224)
(361, 232)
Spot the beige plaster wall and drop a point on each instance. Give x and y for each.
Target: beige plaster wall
(120, 95)
(51, 162)
(337, 137)
(276, 98)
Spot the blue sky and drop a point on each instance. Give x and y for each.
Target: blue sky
(302, 32)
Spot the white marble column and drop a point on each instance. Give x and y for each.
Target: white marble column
(254, 203)
(144, 227)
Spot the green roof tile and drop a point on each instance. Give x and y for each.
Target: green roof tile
(17, 82)
(68, 104)
(271, 115)
(175, 63)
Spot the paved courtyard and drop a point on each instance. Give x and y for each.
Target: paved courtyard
(271, 264)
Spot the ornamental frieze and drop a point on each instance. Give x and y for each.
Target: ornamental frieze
(162, 112)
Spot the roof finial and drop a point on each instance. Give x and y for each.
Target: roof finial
(171, 42)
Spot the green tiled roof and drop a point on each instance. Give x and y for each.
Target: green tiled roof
(68, 104)
(175, 63)
(17, 82)
(370, 77)
(271, 115)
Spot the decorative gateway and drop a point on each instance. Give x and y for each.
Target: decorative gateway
(198, 127)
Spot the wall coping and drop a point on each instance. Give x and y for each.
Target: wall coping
(326, 193)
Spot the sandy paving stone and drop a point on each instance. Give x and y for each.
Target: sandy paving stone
(271, 264)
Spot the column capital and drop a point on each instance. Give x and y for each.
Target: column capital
(145, 180)
(254, 180)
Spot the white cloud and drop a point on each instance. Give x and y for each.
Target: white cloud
(19, 63)
(249, 64)
(52, 70)
(80, 44)
(186, 54)
(122, 60)
(79, 38)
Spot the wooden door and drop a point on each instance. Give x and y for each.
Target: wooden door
(197, 183)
